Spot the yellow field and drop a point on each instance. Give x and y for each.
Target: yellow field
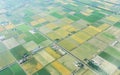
(83, 36)
(67, 20)
(51, 52)
(77, 39)
(39, 21)
(92, 30)
(103, 27)
(51, 26)
(112, 18)
(10, 26)
(31, 66)
(80, 37)
(61, 68)
(63, 33)
(53, 36)
(66, 27)
(69, 28)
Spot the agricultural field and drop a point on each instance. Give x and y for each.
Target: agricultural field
(59, 37)
(13, 69)
(85, 51)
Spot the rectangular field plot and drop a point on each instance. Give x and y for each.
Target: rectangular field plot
(23, 28)
(52, 70)
(103, 27)
(98, 43)
(88, 72)
(91, 30)
(46, 56)
(69, 28)
(51, 26)
(10, 43)
(37, 37)
(31, 66)
(110, 58)
(61, 32)
(81, 37)
(40, 59)
(62, 69)
(57, 15)
(68, 44)
(106, 37)
(18, 52)
(117, 24)
(95, 16)
(37, 22)
(6, 58)
(14, 69)
(52, 52)
(68, 61)
(80, 24)
(44, 29)
(50, 18)
(2, 47)
(86, 50)
(67, 20)
(42, 72)
(113, 52)
(53, 36)
(113, 31)
(29, 46)
(46, 43)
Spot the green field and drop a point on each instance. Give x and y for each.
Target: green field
(18, 52)
(57, 15)
(113, 52)
(42, 72)
(14, 69)
(37, 37)
(110, 58)
(106, 37)
(117, 24)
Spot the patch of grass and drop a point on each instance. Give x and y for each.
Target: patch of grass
(6, 71)
(109, 35)
(117, 24)
(37, 37)
(17, 70)
(23, 28)
(55, 14)
(113, 52)
(74, 18)
(94, 17)
(18, 52)
(42, 72)
(14, 69)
